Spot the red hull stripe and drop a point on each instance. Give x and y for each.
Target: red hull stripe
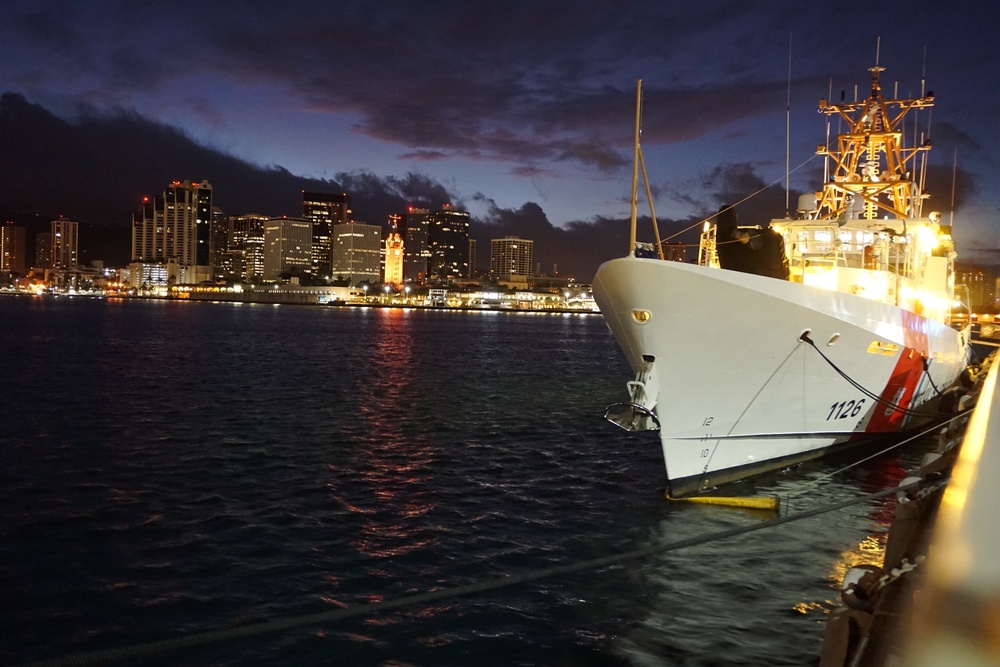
(899, 391)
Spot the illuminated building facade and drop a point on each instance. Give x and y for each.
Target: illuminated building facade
(415, 250)
(356, 248)
(393, 259)
(43, 250)
(239, 248)
(221, 259)
(511, 256)
(448, 244)
(287, 248)
(324, 210)
(65, 239)
(175, 227)
(12, 249)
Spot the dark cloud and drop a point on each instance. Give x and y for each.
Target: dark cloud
(98, 170)
(107, 162)
(517, 83)
(539, 90)
(374, 198)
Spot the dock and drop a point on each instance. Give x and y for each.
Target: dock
(935, 600)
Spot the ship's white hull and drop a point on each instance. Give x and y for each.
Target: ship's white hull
(741, 392)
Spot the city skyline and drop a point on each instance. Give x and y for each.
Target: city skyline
(180, 238)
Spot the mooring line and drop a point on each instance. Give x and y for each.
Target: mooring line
(803, 487)
(277, 625)
(867, 392)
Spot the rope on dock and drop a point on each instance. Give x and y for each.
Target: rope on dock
(148, 649)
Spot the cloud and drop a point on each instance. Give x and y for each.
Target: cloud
(543, 92)
(518, 84)
(99, 168)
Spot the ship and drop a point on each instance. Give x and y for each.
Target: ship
(791, 339)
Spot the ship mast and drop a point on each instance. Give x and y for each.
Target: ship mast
(638, 163)
(635, 167)
(872, 173)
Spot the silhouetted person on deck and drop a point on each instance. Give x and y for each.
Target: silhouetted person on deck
(748, 249)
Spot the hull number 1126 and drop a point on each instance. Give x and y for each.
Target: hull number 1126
(845, 409)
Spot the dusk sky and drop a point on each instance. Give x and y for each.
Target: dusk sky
(516, 102)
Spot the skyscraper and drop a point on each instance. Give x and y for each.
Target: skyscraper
(238, 249)
(246, 237)
(65, 241)
(287, 247)
(176, 227)
(448, 243)
(221, 258)
(12, 249)
(324, 210)
(511, 256)
(43, 250)
(415, 251)
(356, 252)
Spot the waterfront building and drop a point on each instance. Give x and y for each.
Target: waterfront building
(287, 248)
(65, 239)
(12, 249)
(393, 255)
(150, 277)
(356, 247)
(247, 238)
(324, 210)
(511, 256)
(239, 248)
(43, 250)
(448, 244)
(472, 258)
(415, 250)
(221, 259)
(175, 228)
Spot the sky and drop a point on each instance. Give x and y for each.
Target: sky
(506, 104)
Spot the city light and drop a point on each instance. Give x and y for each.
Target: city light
(271, 259)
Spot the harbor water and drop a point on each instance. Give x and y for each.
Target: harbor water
(172, 468)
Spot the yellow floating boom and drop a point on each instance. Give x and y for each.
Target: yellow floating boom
(757, 503)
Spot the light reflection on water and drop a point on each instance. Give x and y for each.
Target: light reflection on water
(194, 466)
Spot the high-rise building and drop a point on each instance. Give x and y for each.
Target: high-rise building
(175, 227)
(324, 210)
(448, 243)
(43, 250)
(247, 237)
(65, 241)
(221, 258)
(511, 256)
(415, 250)
(287, 247)
(472, 258)
(238, 249)
(12, 249)
(356, 249)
